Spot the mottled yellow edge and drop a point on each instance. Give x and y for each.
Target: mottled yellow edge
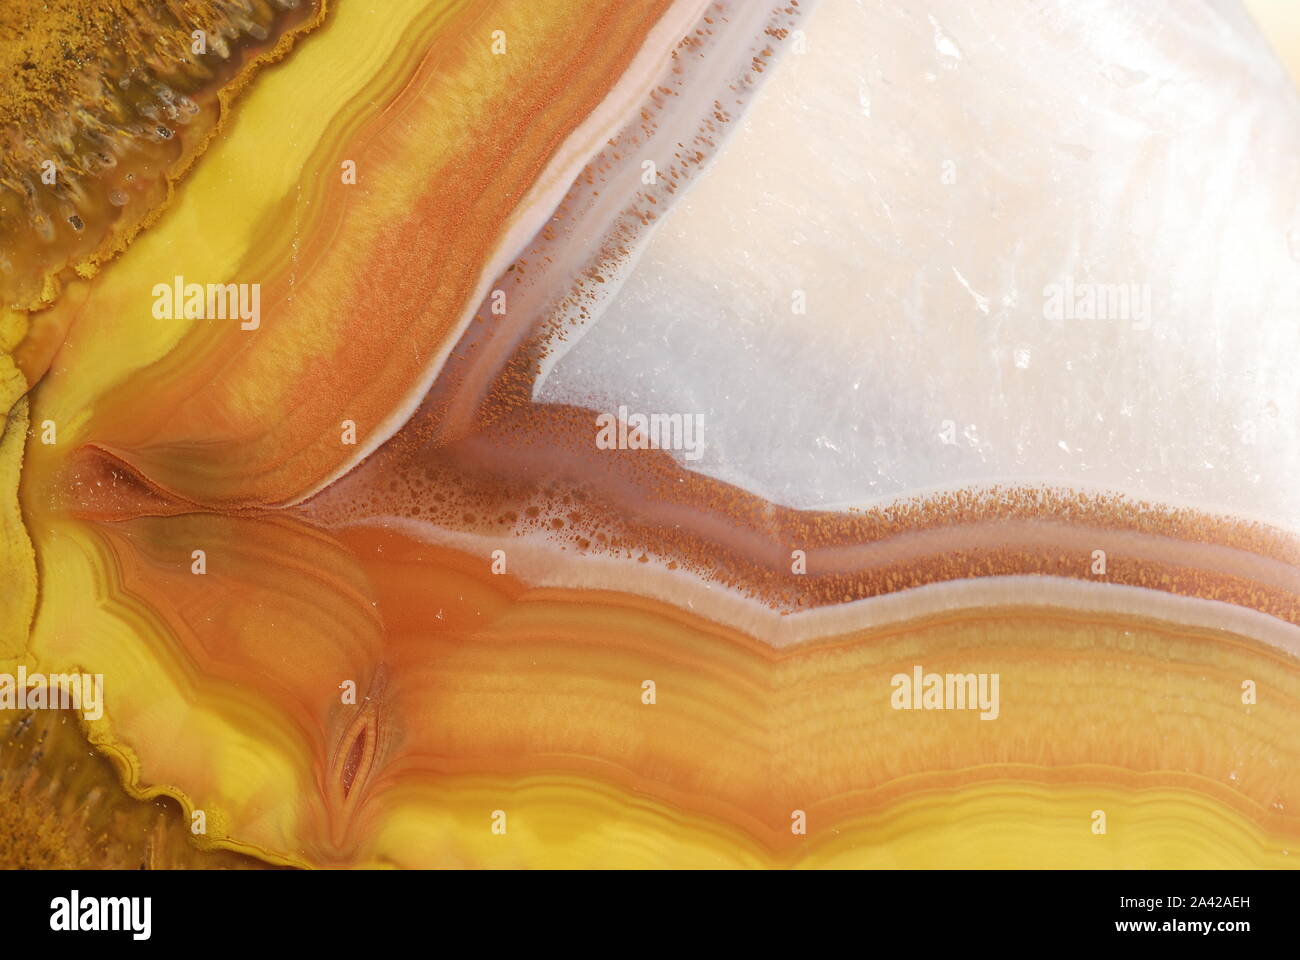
(17, 559)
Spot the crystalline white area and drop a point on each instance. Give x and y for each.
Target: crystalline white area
(1007, 148)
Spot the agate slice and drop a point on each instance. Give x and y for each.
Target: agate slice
(667, 433)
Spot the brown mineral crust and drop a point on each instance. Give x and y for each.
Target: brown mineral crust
(109, 99)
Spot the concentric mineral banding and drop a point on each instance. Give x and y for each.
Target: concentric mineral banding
(841, 257)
